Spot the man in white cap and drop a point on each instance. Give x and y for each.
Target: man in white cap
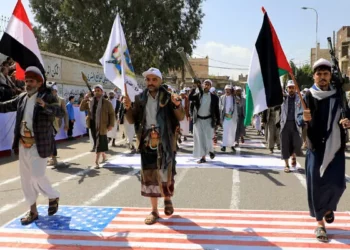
(100, 119)
(291, 122)
(228, 112)
(325, 157)
(58, 123)
(206, 118)
(156, 114)
(240, 102)
(34, 137)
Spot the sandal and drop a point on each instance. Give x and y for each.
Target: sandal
(329, 218)
(286, 169)
(321, 234)
(168, 207)
(97, 165)
(53, 207)
(201, 161)
(294, 162)
(152, 218)
(212, 155)
(29, 218)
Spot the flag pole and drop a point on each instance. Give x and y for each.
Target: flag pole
(123, 56)
(298, 90)
(126, 89)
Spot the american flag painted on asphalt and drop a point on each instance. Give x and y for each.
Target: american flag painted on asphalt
(123, 228)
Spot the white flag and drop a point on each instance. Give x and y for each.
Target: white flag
(117, 64)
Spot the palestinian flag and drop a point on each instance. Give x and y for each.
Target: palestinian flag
(19, 41)
(267, 65)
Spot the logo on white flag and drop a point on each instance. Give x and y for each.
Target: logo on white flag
(117, 64)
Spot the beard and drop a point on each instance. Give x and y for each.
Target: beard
(31, 90)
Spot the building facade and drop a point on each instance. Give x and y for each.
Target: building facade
(342, 49)
(321, 53)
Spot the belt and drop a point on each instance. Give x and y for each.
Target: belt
(204, 117)
(228, 115)
(152, 137)
(27, 142)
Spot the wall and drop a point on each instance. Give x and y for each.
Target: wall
(66, 72)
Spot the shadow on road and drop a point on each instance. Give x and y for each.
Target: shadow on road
(269, 174)
(216, 237)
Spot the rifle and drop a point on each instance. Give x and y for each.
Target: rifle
(338, 80)
(87, 84)
(188, 66)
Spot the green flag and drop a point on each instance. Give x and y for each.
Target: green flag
(249, 106)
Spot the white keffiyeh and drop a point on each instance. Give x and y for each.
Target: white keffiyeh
(333, 141)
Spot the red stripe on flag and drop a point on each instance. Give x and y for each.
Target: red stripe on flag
(19, 72)
(282, 62)
(21, 14)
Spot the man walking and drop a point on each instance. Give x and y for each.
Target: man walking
(325, 157)
(291, 122)
(100, 120)
(206, 117)
(228, 112)
(34, 137)
(156, 114)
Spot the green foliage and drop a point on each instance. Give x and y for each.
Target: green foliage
(153, 29)
(303, 75)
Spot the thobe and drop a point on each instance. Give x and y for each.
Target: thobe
(257, 122)
(240, 117)
(203, 131)
(113, 132)
(129, 130)
(323, 192)
(290, 127)
(31, 166)
(185, 123)
(229, 124)
(272, 132)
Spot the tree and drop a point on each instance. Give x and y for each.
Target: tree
(303, 75)
(153, 29)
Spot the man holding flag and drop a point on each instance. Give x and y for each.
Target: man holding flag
(36, 111)
(156, 114)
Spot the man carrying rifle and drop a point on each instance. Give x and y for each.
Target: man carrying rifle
(325, 157)
(156, 114)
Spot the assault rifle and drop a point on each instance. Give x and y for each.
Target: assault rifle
(339, 81)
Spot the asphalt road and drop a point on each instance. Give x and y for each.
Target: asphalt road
(250, 179)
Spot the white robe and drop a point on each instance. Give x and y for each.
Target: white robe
(129, 131)
(203, 132)
(31, 166)
(185, 124)
(229, 125)
(257, 122)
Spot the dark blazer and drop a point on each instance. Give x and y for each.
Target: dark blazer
(195, 99)
(42, 120)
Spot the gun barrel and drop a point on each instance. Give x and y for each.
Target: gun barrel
(186, 62)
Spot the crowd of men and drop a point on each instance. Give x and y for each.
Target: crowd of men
(160, 118)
